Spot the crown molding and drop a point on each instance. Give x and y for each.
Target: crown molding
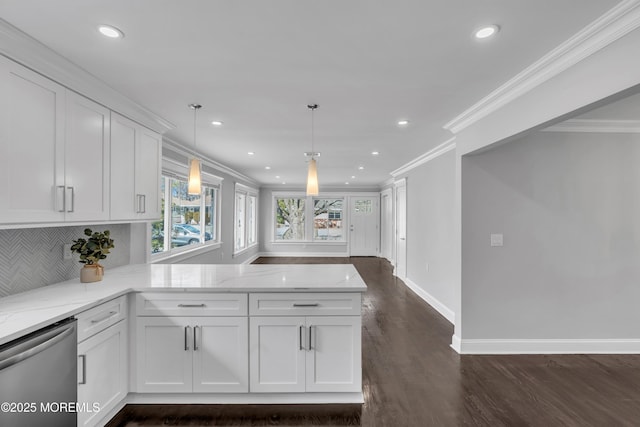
(448, 145)
(617, 22)
(178, 148)
(596, 126)
(31, 53)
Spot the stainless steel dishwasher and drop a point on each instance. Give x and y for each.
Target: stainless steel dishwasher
(38, 378)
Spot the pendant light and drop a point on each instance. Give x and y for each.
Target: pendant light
(312, 175)
(194, 186)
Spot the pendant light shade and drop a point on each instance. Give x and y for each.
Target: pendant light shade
(312, 178)
(194, 186)
(312, 175)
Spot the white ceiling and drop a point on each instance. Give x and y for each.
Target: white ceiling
(256, 64)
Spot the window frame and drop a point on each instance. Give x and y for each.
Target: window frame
(176, 171)
(308, 213)
(247, 192)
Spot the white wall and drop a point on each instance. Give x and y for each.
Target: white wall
(568, 205)
(431, 232)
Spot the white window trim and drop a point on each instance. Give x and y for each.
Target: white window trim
(246, 191)
(308, 226)
(173, 169)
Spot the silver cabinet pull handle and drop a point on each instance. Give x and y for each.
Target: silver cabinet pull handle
(138, 203)
(195, 338)
(83, 357)
(191, 305)
(315, 304)
(300, 336)
(73, 197)
(186, 338)
(111, 313)
(310, 347)
(64, 196)
(144, 203)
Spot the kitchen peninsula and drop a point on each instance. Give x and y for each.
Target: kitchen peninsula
(209, 333)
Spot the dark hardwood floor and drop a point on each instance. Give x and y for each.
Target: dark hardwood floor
(411, 377)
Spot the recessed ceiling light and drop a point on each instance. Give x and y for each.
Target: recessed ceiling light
(277, 176)
(267, 167)
(251, 153)
(485, 32)
(353, 177)
(403, 122)
(347, 183)
(361, 167)
(374, 153)
(216, 123)
(284, 183)
(110, 31)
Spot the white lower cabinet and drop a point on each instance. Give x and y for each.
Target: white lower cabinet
(102, 373)
(305, 354)
(192, 354)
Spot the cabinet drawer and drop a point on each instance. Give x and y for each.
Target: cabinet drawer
(191, 304)
(99, 318)
(297, 304)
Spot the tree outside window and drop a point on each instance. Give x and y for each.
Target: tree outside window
(327, 219)
(290, 221)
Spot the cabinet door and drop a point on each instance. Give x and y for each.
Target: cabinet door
(86, 160)
(277, 354)
(148, 164)
(102, 373)
(164, 354)
(220, 354)
(124, 133)
(32, 119)
(334, 358)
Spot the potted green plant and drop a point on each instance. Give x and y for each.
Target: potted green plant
(92, 249)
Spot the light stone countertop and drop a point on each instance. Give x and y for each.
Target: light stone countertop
(29, 311)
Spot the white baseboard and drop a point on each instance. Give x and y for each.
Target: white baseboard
(244, 398)
(305, 254)
(456, 343)
(448, 314)
(251, 259)
(550, 346)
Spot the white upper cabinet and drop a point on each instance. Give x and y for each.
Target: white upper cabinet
(124, 134)
(135, 170)
(148, 167)
(54, 151)
(32, 119)
(86, 160)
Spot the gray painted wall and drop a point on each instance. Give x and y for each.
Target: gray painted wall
(430, 228)
(32, 257)
(568, 206)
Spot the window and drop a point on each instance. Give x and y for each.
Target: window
(290, 224)
(291, 211)
(245, 218)
(240, 219)
(190, 220)
(252, 217)
(327, 219)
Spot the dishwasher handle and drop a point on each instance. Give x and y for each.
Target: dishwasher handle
(35, 349)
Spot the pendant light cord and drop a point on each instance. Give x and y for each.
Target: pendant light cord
(195, 108)
(312, 107)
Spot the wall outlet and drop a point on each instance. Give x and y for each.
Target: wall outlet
(496, 240)
(66, 252)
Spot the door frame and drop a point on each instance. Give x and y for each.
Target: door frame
(400, 265)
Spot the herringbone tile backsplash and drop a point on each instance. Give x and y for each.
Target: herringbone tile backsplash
(32, 257)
